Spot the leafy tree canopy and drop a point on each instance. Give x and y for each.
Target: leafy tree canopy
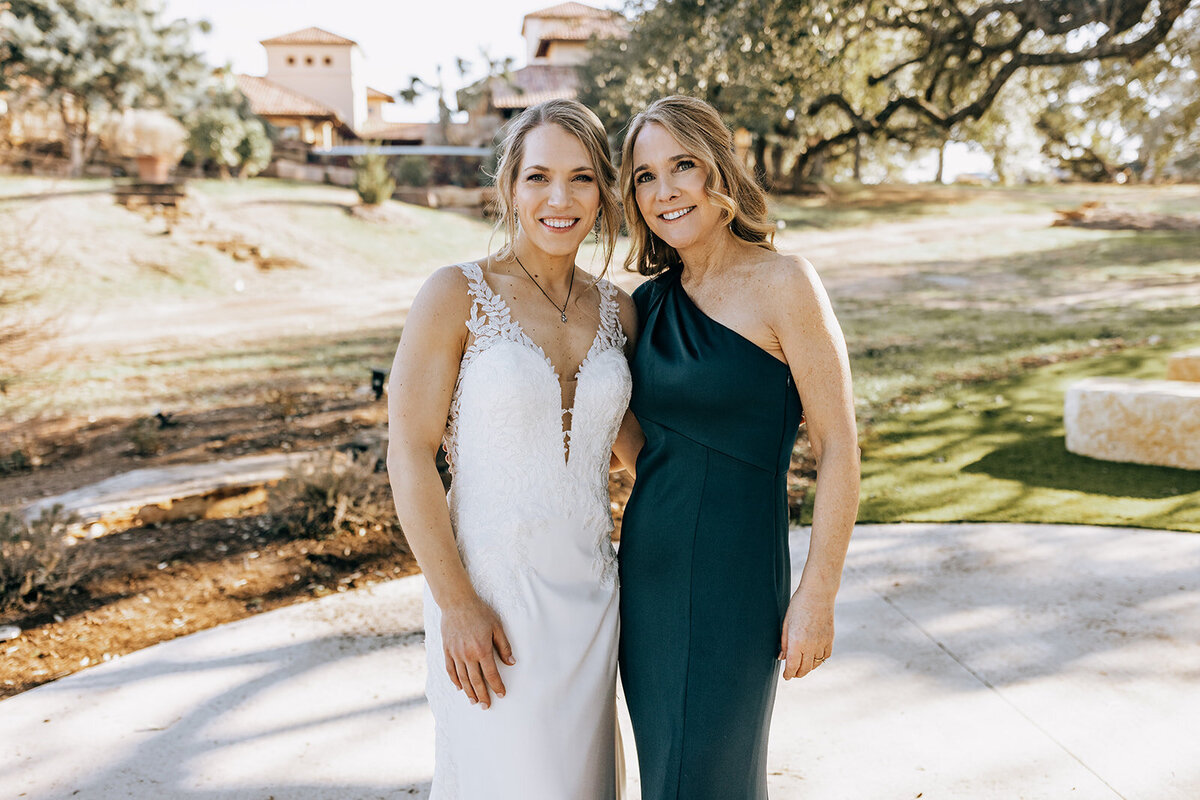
(87, 56)
(817, 76)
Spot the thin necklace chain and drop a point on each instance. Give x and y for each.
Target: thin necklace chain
(562, 311)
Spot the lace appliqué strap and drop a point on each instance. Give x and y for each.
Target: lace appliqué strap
(490, 321)
(611, 334)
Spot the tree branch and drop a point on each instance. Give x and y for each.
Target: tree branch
(1053, 17)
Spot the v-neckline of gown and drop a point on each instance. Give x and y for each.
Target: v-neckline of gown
(525, 340)
(721, 325)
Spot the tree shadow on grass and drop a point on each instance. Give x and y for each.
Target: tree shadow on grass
(1044, 461)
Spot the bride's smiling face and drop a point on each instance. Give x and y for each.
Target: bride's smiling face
(555, 194)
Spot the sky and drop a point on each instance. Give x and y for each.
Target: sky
(399, 38)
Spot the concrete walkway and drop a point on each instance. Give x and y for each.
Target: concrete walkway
(973, 662)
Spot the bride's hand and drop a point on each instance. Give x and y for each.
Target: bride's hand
(472, 635)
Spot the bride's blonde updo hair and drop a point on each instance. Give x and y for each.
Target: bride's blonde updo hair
(697, 126)
(579, 121)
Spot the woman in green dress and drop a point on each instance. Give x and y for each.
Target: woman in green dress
(736, 338)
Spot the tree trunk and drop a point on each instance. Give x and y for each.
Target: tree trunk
(760, 163)
(941, 168)
(999, 166)
(808, 170)
(777, 164)
(74, 135)
(858, 159)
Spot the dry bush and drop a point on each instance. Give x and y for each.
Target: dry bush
(282, 404)
(15, 461)
(335, 494)
(38, 561)
(145, 435)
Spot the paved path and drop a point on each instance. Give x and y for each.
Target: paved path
(973, 662)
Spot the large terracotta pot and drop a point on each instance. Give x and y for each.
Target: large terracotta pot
(154, 169)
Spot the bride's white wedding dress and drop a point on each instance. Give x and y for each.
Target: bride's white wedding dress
(530, 509)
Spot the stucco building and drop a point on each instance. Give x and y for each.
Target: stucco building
(556, 42)
(314, 92)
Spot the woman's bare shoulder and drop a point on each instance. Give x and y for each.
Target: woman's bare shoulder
(782, 279)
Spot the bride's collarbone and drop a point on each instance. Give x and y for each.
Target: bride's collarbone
(562, 342)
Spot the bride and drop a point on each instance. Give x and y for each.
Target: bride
(517, 364)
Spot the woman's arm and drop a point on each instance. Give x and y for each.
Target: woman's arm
(419, 393)
(629, 437)
(627, 446)
(812, 341)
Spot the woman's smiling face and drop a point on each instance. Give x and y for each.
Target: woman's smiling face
(669, 187)
(555, 194)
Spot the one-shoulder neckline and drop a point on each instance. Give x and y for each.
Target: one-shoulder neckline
(678, 286)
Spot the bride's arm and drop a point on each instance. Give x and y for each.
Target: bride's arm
(419, 392)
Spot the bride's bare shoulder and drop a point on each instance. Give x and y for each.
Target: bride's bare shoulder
(443, 299)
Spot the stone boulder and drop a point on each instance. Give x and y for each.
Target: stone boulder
(1139, 421)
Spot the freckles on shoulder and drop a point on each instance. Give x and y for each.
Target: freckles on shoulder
(790, 284)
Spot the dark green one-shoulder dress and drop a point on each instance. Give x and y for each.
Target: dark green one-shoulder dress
(704, 562)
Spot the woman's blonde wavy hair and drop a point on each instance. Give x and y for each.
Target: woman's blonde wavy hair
(579, 121)
(698, 128)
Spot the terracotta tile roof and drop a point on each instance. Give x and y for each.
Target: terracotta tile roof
(535, 84)
(565, 10)
(580, 30)
(309, 36)
(268, 98)
(375, 94)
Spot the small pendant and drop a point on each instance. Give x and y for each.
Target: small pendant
(564, 316)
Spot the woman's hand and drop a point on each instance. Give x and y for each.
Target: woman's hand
(807, 635)
(472, 636)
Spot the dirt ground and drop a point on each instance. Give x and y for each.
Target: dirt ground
(151, 584)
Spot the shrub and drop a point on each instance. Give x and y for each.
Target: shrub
(412, 171)
(372, 179)
(255, 149)
(37, 560)
(230, 141)
(335, 494)
(16, 461)
(146, 437)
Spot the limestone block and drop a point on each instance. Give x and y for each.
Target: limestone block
(1145, 422)
(1184, 366)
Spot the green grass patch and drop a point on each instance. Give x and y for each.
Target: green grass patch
(996, 452)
